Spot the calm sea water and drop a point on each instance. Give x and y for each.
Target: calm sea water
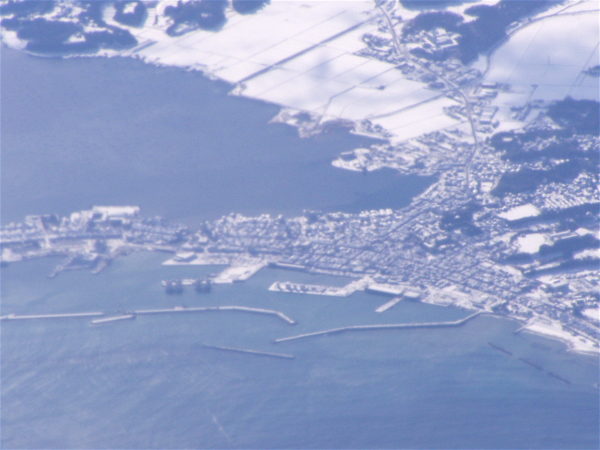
(115, 131)
(192, 153)
(149, 383)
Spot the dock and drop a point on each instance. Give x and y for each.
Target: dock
(318, 289)
(386, 326)
(393, 302)
(249, 351)
(239, 272)
(183, 282)
(310, 289)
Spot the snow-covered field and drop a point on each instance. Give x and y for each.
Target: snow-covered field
(531, 243)
(545, 60)
(592, 313)
(301, 55)
(520, 212)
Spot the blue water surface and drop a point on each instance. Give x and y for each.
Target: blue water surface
(97, 131)
(149, 383)
(80, 132)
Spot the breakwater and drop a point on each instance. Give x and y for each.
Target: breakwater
(51, 316)
(110, 319)
(175, 310)
(250, 351)
(183, 309)
(529, 363)
(386, 326)
(500, 349)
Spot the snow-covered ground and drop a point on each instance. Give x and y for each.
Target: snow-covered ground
(545, 59)
(302, 55)
(531, 243)
(592, 313)
(520, 212)
(553, 329)
(239, 272)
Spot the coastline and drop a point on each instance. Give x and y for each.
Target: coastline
(572, 343)
(206, 70)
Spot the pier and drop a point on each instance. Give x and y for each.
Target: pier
(386, 326)
(318, 289)
(393, 302)
(249, 351)
(310, 289)
(239, 272)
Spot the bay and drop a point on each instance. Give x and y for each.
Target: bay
(80, 132)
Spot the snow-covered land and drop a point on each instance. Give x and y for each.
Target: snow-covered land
(520, 212)
(592, 313)
(545, 59)
(437, 110)
(531, 243)
(554, 329)
(310, 56)
(302, 55)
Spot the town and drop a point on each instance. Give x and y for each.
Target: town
(528, 261)
(509, 226)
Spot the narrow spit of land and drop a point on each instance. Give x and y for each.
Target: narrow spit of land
(385, 326)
